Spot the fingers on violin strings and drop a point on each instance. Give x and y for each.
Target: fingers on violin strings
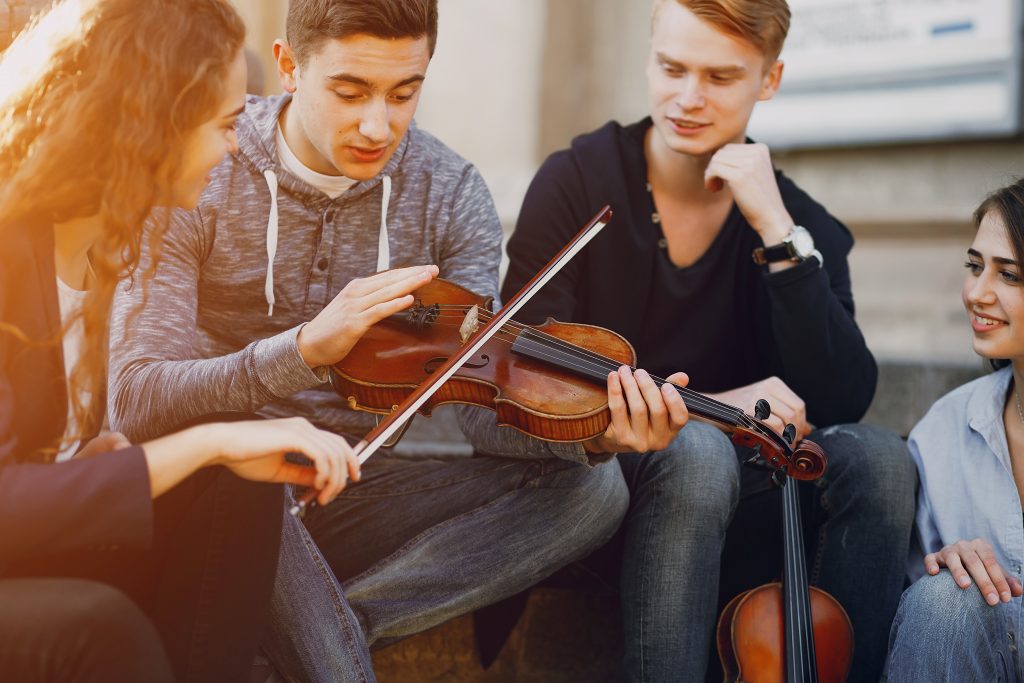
(653, 398)
(678, 414)
(638, 416)
(617, 404)
(680, 379)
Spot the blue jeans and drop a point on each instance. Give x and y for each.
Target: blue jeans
(419, 541)
(946, 633)
(857, 521)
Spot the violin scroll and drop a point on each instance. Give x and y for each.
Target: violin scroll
(806, 462)
(809, 460)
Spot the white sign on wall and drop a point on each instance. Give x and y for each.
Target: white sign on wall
(896, 71)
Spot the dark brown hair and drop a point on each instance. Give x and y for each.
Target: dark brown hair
(1008, 203)
(98, 100)
(311, 22)
(762, 23)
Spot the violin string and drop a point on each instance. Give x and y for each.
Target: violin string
(716, 409)
(799, 602)
(613, 364)
(793, 660)
(720, 410)
(709, 407)
(603, 366)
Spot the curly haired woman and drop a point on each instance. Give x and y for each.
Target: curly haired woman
(148, 562)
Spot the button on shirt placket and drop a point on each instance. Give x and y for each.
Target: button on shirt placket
(319, 279)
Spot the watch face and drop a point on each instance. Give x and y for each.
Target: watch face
(803, 243)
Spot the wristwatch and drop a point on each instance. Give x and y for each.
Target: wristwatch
(798, 245)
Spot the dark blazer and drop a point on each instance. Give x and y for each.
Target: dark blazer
(47, 508)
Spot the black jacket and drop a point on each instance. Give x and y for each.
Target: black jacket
(49, 508)
(797, 324)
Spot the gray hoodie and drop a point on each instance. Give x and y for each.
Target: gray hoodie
(262, 254)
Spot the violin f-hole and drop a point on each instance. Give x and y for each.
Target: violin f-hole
(437, 361)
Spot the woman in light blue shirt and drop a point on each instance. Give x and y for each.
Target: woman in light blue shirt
(961, 618)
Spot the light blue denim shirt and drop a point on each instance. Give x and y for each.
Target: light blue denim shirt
(967, 486)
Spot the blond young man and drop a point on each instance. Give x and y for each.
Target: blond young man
(696, 204)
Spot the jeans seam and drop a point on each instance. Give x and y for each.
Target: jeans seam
(819, 551)
(338, 601)
(644, 575)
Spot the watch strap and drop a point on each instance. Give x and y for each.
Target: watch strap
(773, 254)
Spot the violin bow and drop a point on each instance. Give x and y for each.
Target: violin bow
(405, 411)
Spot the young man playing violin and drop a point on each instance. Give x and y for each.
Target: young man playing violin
(717, 264)
(334, 208)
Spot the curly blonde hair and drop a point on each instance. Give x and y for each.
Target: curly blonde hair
(98, 99)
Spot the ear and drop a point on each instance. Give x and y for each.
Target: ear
(771, 81)
(285, 65)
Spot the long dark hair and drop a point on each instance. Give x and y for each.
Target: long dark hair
(1008, 202)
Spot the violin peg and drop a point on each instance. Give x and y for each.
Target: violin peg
(779, 478)
(789, 433)
(762, 409)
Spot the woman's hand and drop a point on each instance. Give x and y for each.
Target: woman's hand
(975, 559)
(255, 450)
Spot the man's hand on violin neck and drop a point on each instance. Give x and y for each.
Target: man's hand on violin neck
(364, 302)
(644, 416)
(787, 407)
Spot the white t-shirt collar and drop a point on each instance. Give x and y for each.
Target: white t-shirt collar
(331, 185)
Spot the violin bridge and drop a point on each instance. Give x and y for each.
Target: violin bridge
(470, 324)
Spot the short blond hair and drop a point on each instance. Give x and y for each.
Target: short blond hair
(762, 23)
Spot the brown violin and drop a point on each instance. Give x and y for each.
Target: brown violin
(786, 632)
(548, 380)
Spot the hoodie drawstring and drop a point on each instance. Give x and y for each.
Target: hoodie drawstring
(383, 247)
(268, 287)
